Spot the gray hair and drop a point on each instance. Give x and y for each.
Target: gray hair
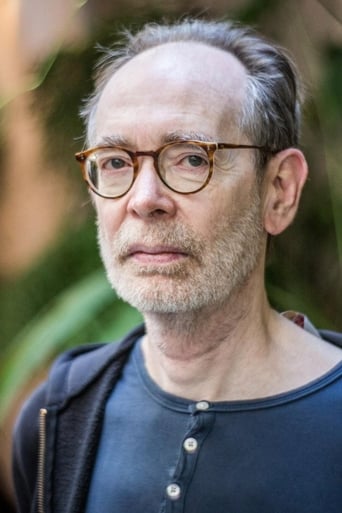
(271, 112)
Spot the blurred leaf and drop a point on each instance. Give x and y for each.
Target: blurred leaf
(32, 82)
(48, 333)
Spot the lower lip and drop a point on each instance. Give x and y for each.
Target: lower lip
(157, 258)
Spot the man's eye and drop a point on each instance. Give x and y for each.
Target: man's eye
(196, 161)
(114, 163)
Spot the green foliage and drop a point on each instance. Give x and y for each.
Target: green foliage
(330, 104)
(73, 256)
(52, 330)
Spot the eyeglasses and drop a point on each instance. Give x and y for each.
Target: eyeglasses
(183, 166)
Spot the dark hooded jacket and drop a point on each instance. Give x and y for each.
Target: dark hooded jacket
(57, 433)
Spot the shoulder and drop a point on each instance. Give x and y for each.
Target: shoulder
(77, 368)
(301, 353)
(72, 372)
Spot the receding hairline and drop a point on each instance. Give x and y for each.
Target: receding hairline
(227, 77)
(272, 113)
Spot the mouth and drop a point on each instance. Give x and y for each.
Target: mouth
(158, 254)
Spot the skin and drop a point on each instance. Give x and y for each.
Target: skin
(194, 265)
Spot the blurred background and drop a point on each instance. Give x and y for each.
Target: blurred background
(53, 292)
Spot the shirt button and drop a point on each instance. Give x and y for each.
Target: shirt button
(173, 491)
(202, 405)
(190, 444)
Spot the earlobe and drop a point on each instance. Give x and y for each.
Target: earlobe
(284, 181)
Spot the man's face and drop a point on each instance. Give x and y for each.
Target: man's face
(163, 251)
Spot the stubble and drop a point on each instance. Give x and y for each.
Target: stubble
(213, 269)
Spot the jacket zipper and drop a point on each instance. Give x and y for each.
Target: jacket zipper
(41, 459)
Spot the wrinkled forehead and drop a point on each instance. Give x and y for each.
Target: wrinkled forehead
(184, 74)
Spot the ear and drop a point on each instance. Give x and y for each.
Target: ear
(283, 184)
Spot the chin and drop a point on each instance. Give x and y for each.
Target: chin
(161, 294)
(153, 293)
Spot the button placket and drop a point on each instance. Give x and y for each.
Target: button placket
(201, 420)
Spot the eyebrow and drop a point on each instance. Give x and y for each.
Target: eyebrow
(179, 135)
(174, 136)
(113, 140)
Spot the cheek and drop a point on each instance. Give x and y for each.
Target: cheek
(108, 217)
(223, 206)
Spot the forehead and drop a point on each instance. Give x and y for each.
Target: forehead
(185, 84)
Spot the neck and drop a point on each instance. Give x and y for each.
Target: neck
(206, 354)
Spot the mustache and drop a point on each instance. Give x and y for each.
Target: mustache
(177, 236)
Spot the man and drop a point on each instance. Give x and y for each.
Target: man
(219, 403)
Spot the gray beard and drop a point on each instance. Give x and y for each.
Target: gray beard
(215, 267)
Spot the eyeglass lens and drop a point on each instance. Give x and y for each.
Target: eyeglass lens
(184, 167)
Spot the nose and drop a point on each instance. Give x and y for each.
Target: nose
(149, 197)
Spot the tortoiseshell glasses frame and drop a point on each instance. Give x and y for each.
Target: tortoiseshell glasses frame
(185, 167)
